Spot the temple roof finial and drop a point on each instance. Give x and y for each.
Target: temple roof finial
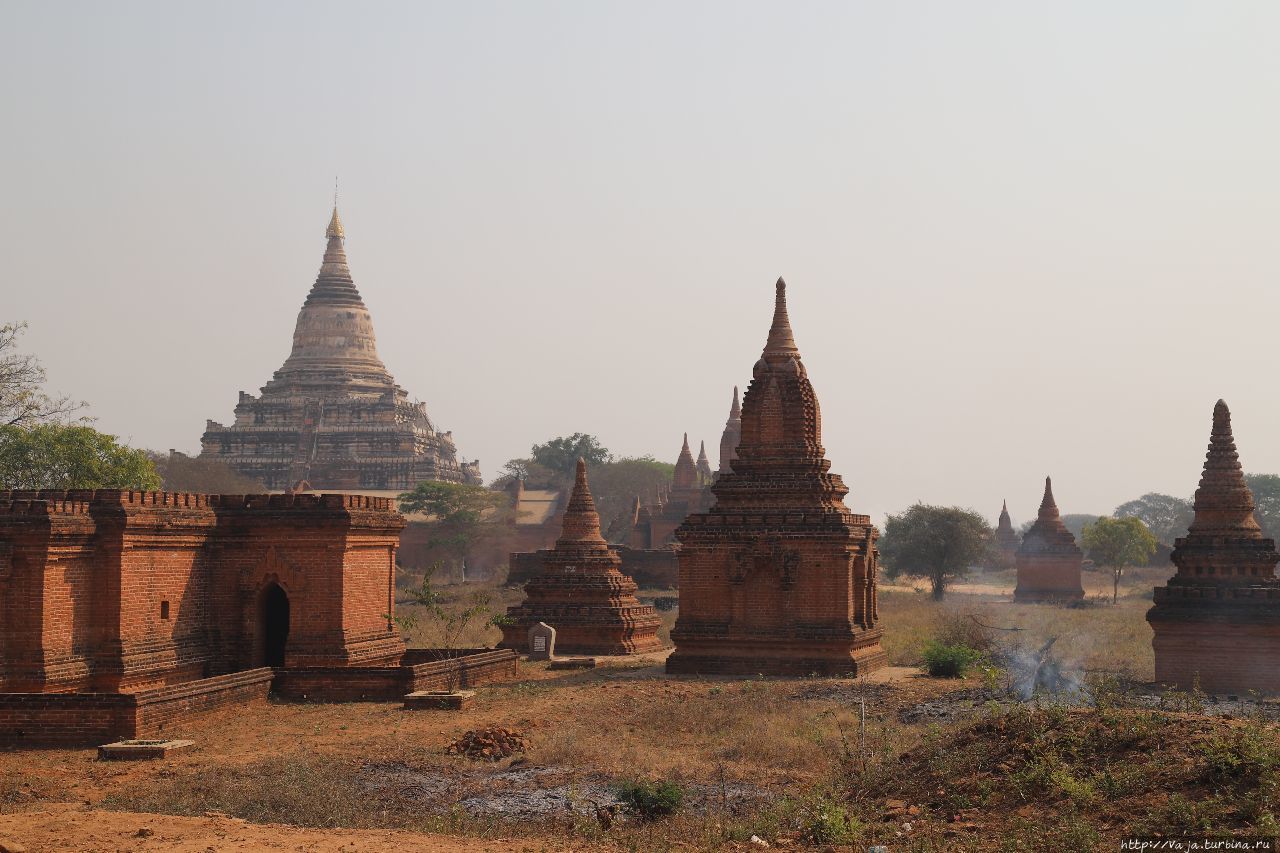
(335, 224)
(735, 411)
(1048, 506)
(781, 341)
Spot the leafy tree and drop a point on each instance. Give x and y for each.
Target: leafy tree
(936, 542)
(560, 455)
(1118, 542)
(534, 475)
(462, 516)
(1266, 499)
(615, 485)
(1165, 516)
(61, 456)
(551, 465)
(23, 402)
(182, 473)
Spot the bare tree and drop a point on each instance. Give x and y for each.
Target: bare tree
(23, 401)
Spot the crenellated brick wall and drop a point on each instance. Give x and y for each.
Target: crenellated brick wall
(110, 590)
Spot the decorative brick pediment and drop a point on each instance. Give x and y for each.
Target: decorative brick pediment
(274, 567)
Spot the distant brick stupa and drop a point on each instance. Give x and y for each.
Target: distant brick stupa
(332, 417)
(778, 577)
(1217, 621)
(1004, 545)
(1049, 561)
(731, 436)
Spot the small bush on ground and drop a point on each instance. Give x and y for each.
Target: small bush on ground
(947, 661)
(650, 800)
(825, 821)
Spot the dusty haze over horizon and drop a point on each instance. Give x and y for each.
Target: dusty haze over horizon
(1018, 240)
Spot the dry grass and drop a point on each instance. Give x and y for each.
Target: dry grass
(795, 741)
(698, 730)
(1094, 636)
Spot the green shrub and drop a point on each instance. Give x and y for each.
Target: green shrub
(828, 822)
(948, 661)
(650, 800)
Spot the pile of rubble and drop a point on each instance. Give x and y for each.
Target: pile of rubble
(491, 744)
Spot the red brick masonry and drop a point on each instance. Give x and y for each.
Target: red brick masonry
(112, 591)
(1216, 623)
(122, 612)
(779, 577)
(420, 669)
(29, 719)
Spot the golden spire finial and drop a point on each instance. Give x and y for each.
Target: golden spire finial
(335, 224)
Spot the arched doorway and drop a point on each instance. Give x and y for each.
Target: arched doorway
(274, 625)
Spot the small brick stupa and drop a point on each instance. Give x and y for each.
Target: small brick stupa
(705, 475)
(1217, 621)
(582, 593)
(1048, 560)
(731, 436)
(1004, 546)
(778, 578)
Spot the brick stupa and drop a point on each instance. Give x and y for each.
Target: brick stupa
(705, 475)
(582, 593)
(731, 436)
(1004, 545)
(1217, 620)
(778, 577)
(1049, 561)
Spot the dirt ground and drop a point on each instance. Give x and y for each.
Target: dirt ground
(83, 828)
(584, 729)
(753, 755)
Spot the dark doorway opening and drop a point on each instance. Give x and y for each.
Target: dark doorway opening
(275, 625)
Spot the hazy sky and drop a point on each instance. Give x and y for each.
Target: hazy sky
(1020, 238)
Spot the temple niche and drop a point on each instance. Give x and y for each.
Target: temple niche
(582, 593)
(778, 577)
(1049, 562)
(332, 417)
(1216, 623)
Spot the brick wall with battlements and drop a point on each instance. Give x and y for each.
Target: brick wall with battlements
(124, 591)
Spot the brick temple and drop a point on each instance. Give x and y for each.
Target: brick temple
(332, 417)
(1003, 553)
(1216, 622)
(778, 577)
(655, 524)
(122, 612)
(581, 592)
(1049, 562)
